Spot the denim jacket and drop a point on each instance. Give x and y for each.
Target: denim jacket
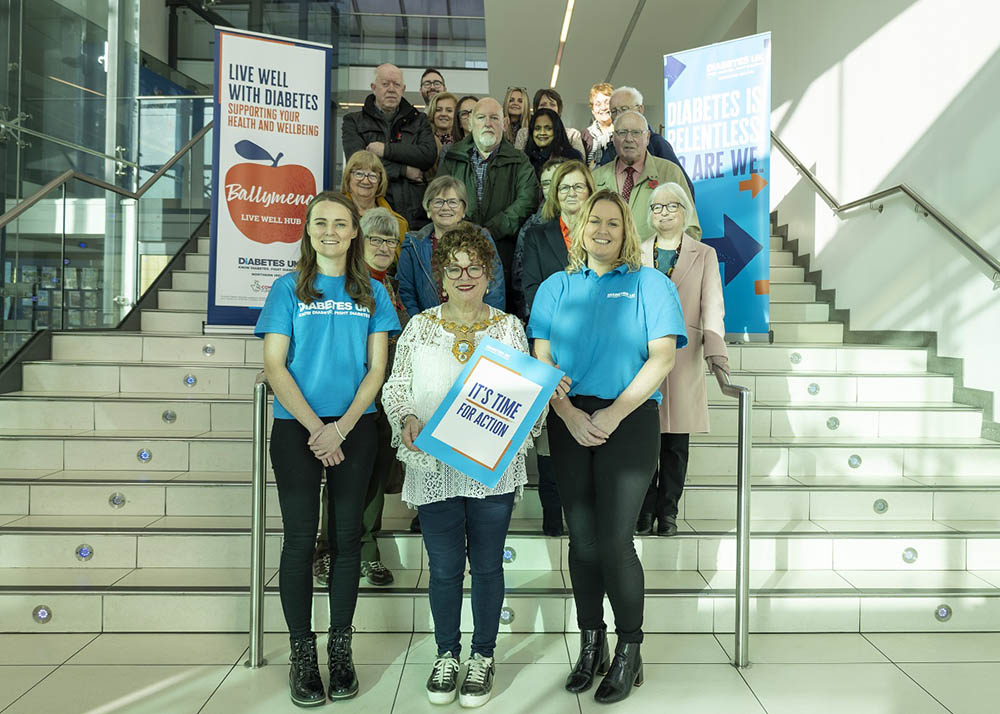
(417, 288)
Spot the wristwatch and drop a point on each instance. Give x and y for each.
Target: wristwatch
(402, 422)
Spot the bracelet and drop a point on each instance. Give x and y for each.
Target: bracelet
(402, 422)
(339, 433)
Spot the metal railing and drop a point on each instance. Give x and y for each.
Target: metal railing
(744, 444)
(988, 264)
(70, 174)
(258, 524)
(741, 650)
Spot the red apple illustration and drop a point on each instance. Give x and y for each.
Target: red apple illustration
(268, 203)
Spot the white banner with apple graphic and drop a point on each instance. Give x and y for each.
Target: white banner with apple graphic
(271, 155)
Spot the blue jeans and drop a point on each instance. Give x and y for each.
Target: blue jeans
(454, 529)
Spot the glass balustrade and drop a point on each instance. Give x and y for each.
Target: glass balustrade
(81, 256)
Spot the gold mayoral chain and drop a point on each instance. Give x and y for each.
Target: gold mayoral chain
(463, 346)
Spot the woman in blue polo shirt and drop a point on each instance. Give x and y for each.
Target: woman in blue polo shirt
(612, 326)
(325, 330)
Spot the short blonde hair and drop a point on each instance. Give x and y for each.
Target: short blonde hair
(441, 184)
(600, 88)
(677, 194)
(550, 209)
(630, 254)
(364, 160)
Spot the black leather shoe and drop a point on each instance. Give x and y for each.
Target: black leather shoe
(625, 671)
(304, 683)
(644, 526)
(343, 680)
(593, 660)
(666, 526)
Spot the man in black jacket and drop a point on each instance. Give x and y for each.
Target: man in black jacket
(629, 99)
(392, 129)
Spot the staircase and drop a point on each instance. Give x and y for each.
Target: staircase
(125, 492)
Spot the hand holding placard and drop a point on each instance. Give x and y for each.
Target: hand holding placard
(488, 413)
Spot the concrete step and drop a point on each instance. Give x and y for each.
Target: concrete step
(188, 280)
(185, 321)
(196, 300)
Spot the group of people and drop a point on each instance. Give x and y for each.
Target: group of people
(483, 218)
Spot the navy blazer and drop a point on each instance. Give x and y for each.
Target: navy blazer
(544, 254)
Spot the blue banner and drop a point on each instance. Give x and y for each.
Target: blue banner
(718, 120)
(270, 156)
(485, 418)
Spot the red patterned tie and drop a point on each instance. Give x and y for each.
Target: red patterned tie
(628, 183)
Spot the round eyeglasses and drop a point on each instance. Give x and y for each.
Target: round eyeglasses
(365, 175)
(454, 272)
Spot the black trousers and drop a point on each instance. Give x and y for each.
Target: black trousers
(602, 488)
(371, 516)
(665, 489)
(299, 474)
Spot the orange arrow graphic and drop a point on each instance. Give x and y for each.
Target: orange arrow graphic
(753, 184)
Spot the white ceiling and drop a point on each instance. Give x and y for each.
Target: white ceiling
(522, 37)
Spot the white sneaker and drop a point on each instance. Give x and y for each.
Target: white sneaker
(442, 685)
(478, 684)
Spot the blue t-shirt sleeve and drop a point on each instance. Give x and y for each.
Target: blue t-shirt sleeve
(544, 307)
(279, 308)
(662, 307)
(385, 318)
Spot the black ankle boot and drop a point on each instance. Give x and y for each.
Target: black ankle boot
(626, 671)
(593, 660)
(644, 526)
(304, 683)
(343, 680)
(666, 525)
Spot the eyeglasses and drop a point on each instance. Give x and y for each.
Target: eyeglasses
(659, 208)
(454, 272)
(432, 83)
(442, 202)
(365, 175)
(379, 241)
(575, 188)
(624, 108)
(626, 133)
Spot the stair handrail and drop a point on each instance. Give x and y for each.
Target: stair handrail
(71, 174)
(991, 263)
(744, 446)
(258, 522)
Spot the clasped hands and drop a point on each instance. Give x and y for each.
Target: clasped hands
(325, 443)
(588, 429)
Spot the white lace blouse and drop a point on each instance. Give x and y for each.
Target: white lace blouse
(424, 371)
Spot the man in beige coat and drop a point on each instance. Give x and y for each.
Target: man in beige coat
(636, 172)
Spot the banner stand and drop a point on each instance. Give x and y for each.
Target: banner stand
(270, 157)
(718, 119)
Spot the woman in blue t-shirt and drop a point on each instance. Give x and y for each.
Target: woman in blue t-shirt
(612, 326)
(325, 330)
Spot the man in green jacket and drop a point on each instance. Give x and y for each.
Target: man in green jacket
(499, 179)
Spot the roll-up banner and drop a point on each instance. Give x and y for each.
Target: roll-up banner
(270, 156)
(718, 120)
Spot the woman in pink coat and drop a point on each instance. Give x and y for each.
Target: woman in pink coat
(694, 269)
